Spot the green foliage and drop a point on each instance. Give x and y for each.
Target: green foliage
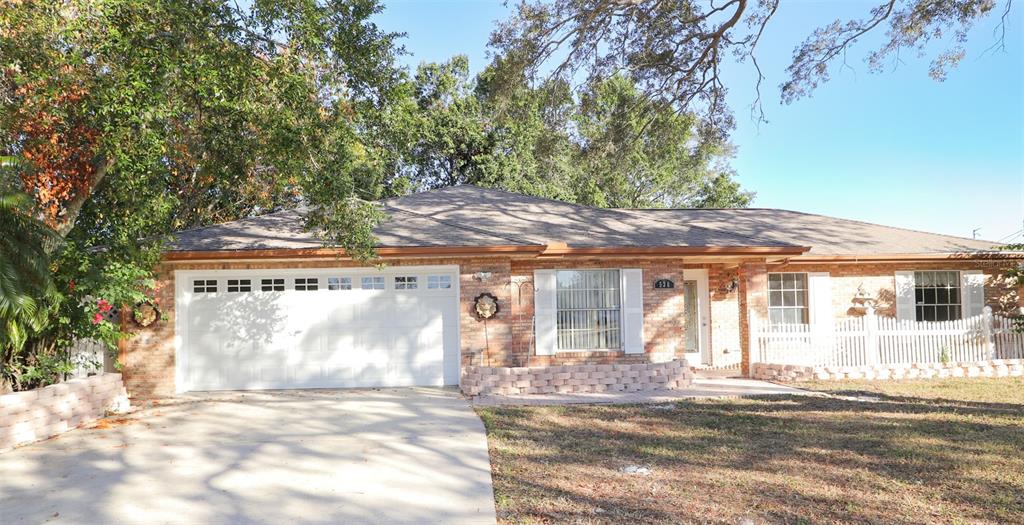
(25, 280)
(193, 113)
(674, 49)
(600, 148)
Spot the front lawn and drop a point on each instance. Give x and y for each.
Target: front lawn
(904, 452)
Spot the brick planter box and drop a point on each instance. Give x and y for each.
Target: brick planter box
(38, 414)
(796, 373)
(572, 379)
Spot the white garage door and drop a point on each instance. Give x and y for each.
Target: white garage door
(317, 328)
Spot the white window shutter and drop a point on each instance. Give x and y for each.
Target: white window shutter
(544, 312)
(819, 300)
(973, 284)
(633, 311)
(906, 308)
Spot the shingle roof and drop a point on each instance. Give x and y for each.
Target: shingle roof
(473, 216)
(825, 235)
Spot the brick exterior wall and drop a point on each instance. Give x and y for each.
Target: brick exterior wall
(663, 315)
(508, 339)
(148, 356)
(34, 415)
(879, 280)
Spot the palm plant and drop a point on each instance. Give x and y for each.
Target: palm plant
(26, 283)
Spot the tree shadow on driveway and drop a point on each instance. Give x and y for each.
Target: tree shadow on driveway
(309, 456)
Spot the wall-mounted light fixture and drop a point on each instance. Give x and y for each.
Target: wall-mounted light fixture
(482, 276)
(731, 285)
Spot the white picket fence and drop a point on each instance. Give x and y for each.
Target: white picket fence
(874, 340)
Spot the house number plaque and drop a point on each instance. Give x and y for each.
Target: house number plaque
(662, 284)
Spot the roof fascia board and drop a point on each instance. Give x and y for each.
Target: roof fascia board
(906, 257)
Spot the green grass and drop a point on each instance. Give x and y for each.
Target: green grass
(949, 451)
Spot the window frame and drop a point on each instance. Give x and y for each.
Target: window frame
(800, 292)
(308, 284)
(405, 282)
(241, 285)
(619, 309)
(440, 282)
(919, 306)
(204, 285)
(273, 285)
(374, 280)
(339, 283)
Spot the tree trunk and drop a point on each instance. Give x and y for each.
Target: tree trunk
(74, 207)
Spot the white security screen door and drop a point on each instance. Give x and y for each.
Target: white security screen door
(317, 328)
(696, 316)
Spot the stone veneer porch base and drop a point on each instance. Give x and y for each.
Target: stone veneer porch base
(795, 373)
(565, 379)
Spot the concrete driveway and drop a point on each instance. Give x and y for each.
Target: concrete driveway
(301, 456)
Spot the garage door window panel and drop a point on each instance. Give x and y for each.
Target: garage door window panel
(339, 283)
(272, 285)
(204, 286)
(239, 285)
(439, 282)
(372, 283)
(408, 282)
(307, 284)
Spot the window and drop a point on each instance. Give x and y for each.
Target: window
(239, 285)
(787, 298)
(588, 310)
(373, 283)
(307, 284)
(439, 282)
(204, 286)
(339, 283)
(272, 285)
(405, 283)
(937, 296)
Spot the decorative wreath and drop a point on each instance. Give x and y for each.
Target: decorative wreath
(146, 313)
(485, 305)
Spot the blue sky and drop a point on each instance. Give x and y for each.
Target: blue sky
(895, 148)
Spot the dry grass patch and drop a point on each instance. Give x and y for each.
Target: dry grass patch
(907, 457)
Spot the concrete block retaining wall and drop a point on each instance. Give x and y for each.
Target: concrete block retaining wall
(45, 412)
(565, 379)
(795, 373)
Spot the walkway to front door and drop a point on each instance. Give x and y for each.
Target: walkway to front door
(300, 456)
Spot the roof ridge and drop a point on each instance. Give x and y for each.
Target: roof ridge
(242, 219)
(618, 211)
(858, 221)
(706, 228)
(507, 192)
(462, 227)
(520, 195)
(787, 210)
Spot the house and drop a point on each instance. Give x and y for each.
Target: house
(260, 303)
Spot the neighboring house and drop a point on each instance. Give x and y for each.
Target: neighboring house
(259, 303)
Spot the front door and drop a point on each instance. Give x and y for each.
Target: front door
(696, 317)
